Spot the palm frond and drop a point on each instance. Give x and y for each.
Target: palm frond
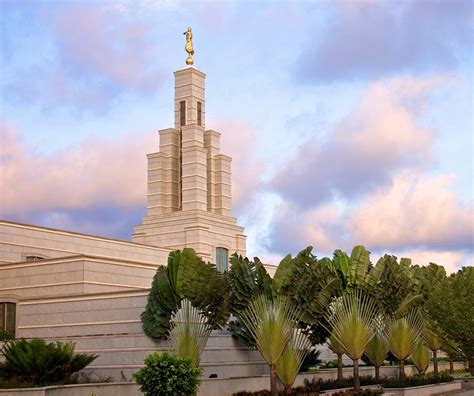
(190, 331)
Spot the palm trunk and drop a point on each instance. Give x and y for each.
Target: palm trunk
(471, 365)
(356, 376)
(287, 389)
(435, 364)
(451, 366)
(339, 367)
(273, 380)
(377, 373)
(401, 375)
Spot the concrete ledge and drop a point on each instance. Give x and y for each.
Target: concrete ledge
(424, 390)
(209, 387)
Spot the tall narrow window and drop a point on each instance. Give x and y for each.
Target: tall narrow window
(182, 113)
(8, 317)
(222, 259)
(199, 115)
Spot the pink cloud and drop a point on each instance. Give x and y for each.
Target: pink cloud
(369, 184)
(100, 41)
(238, 141)
(102, 171)
(415, 210)
(378, 138)
(95, 172)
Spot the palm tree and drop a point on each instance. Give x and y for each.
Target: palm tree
(434, 342)
(271, 322)
(190, 331)
(421, 357)
(352, 319)
(376, 351)
(289, 364)
(337, 348)
(402, 336)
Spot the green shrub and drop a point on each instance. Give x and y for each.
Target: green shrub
(417, 380)
(36, 362)
(166, 374)
(311, 360)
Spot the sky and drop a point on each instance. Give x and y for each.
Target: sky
(349, 122)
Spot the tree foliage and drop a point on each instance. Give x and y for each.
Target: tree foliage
(402, 336)
(246, 279)
(185, 276)
(189, 332)
(451, 306)
(352, 320)
(421, 357)
(272, 323)
(311, 285)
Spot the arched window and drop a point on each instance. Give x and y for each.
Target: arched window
(222, 259)
(8, 317)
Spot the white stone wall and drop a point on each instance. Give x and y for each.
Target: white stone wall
(108, 324)
(19, 240)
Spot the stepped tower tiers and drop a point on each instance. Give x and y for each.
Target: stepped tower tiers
(189, 183)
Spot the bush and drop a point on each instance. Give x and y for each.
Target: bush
(166, 374)
(330, 364)
(38, 363)
(311, 360)
(417, 380)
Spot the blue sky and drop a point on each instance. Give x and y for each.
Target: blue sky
(349, 122)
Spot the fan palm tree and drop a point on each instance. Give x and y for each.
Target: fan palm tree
(190, 331)
(421, 357)
(352, 319)
(271, 322)
(434, 342)
(402, 336)
(337, 348)
(289, 364)
(376, 351)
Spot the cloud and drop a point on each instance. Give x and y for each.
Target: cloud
(99, 54)
(380, 137)
(377, 39)
(369, 183)
(98, 172)
(238, 140)
(293, 229)
(99, 186)
(414, 211)
(415, 216)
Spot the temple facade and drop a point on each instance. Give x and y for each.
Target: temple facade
(62, 285)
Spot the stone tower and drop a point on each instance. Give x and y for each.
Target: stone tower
(189, 182)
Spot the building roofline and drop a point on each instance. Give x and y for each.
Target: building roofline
(57, 230)
(75, 257)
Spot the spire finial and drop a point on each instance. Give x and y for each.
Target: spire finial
(189, 46)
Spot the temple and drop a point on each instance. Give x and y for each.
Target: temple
(63, 285)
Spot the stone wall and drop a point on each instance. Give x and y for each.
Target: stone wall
(108, 324)
(19, 240)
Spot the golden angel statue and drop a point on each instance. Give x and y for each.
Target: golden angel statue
(189, 46)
